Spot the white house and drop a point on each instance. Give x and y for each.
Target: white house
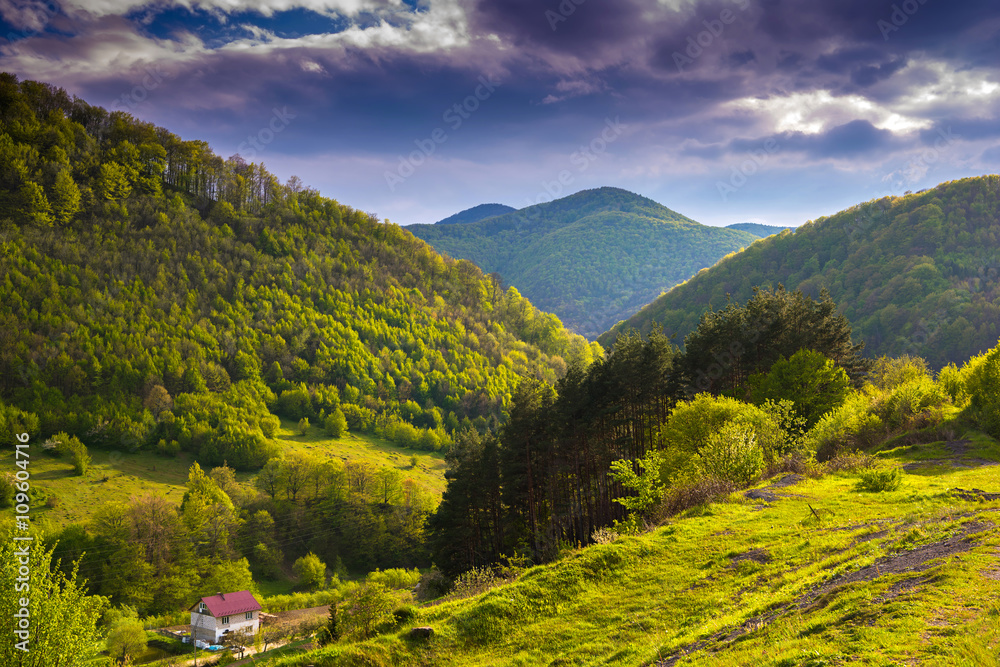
(212, 617)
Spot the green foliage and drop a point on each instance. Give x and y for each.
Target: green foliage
(877, 480)
(915, 274)
(62, 617)
(395, 578)
(310, 571)
(731, 345)
(126, 639)
(240, 296)
(813, 383)
(71, 445)
(367, 607)
(303, 426)
(559, 253)
(982, 384)
(646, 486)
(335, 423)
(733, 454)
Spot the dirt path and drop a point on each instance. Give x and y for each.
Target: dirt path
(915, 560)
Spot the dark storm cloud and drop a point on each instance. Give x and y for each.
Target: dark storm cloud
(678, 73)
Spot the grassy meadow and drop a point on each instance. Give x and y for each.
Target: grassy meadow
(812, 572)
(62, 498)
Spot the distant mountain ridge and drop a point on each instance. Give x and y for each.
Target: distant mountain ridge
(918, 274)
(758, 229)
(593, 257)
(476, 213)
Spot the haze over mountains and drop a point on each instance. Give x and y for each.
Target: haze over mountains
(592, 258)
(915, 275)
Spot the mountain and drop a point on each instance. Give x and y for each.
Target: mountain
(476, 213)
(757, 229)
(918, 274)
(591, 258)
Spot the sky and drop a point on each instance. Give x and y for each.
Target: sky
(771, 111)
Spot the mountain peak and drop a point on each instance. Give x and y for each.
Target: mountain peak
(476, 213)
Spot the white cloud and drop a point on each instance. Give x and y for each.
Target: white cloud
(818, 111)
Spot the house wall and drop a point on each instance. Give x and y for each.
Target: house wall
(203, 627)
(210, 629)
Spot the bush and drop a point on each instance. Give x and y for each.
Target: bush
(303, 426)
(876, 480)
(732, 454)
(685, 496)
(395, 578)
(335, 423)
(404, 614)
(310, 570)
(367, 607)
(269, 425)
(983, 387)
(168, 448)
(77, 451)
(432, 585)
(814, 384)
(7, 489)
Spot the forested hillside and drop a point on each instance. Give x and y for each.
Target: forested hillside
(757, 229)
(914, 275)
(157, 297)
(476, 213)
(591, 258)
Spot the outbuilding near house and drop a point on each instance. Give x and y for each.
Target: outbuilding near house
(215, 616)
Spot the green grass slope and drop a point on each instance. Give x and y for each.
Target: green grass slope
(806, 571)
(914, 275)
(62, 498)
(591, 258)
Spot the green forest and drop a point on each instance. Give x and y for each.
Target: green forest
(159, 300)
(918, 274)
(592, 258)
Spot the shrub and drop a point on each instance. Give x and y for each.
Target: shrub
(404, 614)
(732, 454)
(269, 425)
(71, 445)
(876, 480)
(814, 384)
(851, 426)
(335, 423)
(310, 570)
(432, 585)
(685, 496)
(7, 489)
(303, 426)
(983, 387)
(888, 373)
(367, 607)
(395, 578)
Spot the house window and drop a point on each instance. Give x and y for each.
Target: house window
(201, 608)
(225, 620)
(249, 615)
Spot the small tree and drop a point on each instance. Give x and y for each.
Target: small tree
(368, 606)
(310, 570)
(336, 423)
(303, 426)
(811, 381)
(238, 641)
(127, 640)
(333, 631)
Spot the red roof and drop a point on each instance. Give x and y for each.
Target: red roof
(227, 604)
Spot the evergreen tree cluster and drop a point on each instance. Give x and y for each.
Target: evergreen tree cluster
(546, 478)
